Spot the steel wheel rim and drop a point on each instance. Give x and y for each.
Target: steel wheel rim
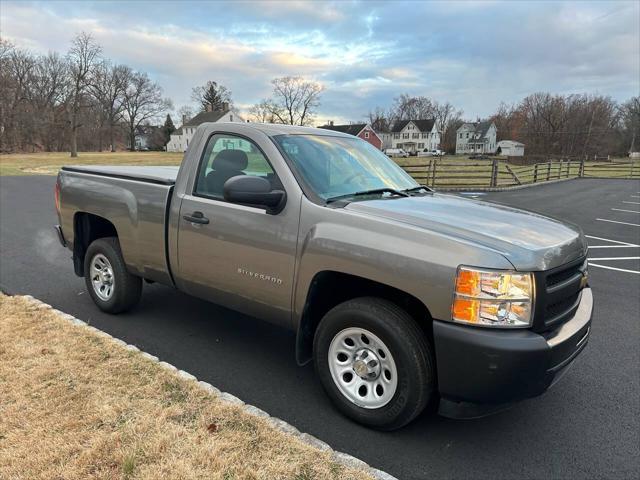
(362, 368)
(101, 274)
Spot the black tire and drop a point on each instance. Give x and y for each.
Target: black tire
(127, 288)
(409, 348)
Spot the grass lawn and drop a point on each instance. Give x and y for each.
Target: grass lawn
(50, 163)
(413, 161)
(477, 173)
(75, 404)
(446, 175)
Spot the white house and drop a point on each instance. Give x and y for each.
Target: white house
(180, 139)
(478, 137)
(412, 135)
(510, 148)
(147, 137)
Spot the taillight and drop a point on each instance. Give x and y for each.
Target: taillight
(57, 195)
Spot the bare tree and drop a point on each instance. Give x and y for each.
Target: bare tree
(507, 121)
(142, 102)
(294, 100)
(46, 93)
(446, 116)
(186, 113)
(262, 112)
(565, 125)
(18, 67)
(6, 80)
(50, 102)
(7, 94)
(6, 47)
(407, 107)
(83, 57)
(448, 137)
(630, 124)
(379, 119)
(108, 87)
(211, 96)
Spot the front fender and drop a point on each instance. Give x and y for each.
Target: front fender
(413, 260)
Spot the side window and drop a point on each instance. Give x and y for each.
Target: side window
(227, 156)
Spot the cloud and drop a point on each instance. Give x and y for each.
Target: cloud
(473, 54)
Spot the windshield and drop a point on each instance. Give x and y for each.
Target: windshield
(339, 166)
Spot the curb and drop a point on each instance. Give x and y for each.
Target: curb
(340, 457)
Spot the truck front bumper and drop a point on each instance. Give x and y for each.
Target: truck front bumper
(481, 369)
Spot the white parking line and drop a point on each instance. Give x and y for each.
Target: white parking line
(621, 223)
(635, 203)
(612, 241)
(613, 268)
(623, 210)
(635, 196)
(616, 258)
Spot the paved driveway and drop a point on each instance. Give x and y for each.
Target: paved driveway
(587, 426)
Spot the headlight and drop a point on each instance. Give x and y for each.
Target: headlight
(493, 298)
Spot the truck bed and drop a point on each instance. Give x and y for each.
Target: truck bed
(162, 175)
(135, 200)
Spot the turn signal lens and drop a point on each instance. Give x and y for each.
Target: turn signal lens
(465, 310)
(492, 298)
(467, 282)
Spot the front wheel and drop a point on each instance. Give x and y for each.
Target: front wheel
(374, 362)
(112, 288)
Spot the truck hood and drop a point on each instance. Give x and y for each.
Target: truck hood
(528, 240)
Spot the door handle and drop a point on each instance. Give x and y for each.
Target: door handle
(196, 217)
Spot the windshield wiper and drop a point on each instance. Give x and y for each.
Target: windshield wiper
(417, 189)
(373, 191)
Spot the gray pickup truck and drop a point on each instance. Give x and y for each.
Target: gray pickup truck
(401, 296)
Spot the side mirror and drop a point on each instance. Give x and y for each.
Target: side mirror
(254, 191)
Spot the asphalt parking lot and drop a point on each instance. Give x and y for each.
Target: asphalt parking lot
(587, 426)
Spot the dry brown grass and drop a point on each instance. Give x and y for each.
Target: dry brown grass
(50, 163)
(76, 405)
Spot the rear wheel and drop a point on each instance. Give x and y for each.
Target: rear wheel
(374, 362)
(112, 288)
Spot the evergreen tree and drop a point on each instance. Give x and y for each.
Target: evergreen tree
(211, 96)
(168, 128)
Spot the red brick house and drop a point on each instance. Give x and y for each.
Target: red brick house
(362, 130)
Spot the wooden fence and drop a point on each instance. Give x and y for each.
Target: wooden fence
(454, 174)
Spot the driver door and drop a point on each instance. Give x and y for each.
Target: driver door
(236, 255)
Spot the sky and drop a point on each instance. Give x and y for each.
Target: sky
(474, 54)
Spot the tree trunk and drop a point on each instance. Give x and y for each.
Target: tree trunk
(100, 137)
(74, 142)
(113, 147)
(132, 138)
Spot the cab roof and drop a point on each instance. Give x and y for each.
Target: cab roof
(272, 129)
